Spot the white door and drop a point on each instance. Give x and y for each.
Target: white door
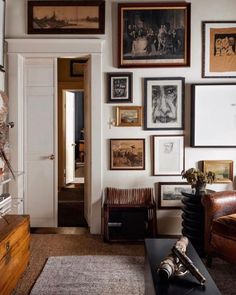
(40, 142)
(70, 136)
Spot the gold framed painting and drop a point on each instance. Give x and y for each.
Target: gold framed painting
(223, 170)
(129, 116)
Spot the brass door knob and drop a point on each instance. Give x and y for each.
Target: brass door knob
(51, 157)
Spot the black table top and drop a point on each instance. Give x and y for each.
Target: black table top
(156, 251)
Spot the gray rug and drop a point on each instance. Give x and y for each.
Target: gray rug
(101, 275)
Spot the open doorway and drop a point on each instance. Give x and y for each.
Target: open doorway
(71, 143)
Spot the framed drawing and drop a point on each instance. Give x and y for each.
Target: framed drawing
(213, 115)
(219, 49)
(168, 154)
(164, 103)
(2, 34)
(77, 68)
(120, 87)
(129, 116)
(127, 154)
(154, 34)
(66, 17)
(223, 170)
(169, 194)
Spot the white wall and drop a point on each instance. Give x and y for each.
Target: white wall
(201, 10)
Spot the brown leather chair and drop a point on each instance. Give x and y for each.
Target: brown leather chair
(220, 225)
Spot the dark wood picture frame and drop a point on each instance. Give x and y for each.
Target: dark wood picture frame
(127, 154)
(141, 24)
(91, 22)
(172, 90)
(120, 87)
(223, 169)
(170, 201)
(2, 33)
(76, 68)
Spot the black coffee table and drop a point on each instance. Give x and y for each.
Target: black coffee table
(156, 251)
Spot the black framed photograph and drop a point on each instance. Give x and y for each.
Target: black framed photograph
(219, 49)
(154, 34)
(66, 17)
(120, 87)
(168, 154)
(213, 115)
(2, 34)
(127, 154)
(170, 194)
(164, 103)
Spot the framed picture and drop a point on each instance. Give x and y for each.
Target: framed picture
(154, 34)
(77, 68)
(219, 49)
(164, 103)
(169, 194)
(129, 116)
(223, 170)
(2, 34)
(120, 87)
(66, 17)
(168, 154)
(213, 115)
(127, 154)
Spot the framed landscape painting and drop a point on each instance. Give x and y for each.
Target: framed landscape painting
(129, 116)
(127, 154)
(154, 34)
(169, 194)
(66, 17)
(164, 103)
(219, 49)
(223, 170)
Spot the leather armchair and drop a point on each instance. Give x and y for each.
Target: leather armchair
(220, 225)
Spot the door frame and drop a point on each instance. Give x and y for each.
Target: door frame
(18, 51)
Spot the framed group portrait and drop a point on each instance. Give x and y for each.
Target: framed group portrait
(164, 103)
(168, 154)
(120, 87)
(154, 34)
(129, 116)
(219, 49)
(127, 154)
(223, 169)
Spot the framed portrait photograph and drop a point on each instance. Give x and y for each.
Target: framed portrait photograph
(129, 116)
(168, 154)
(213, 115)
(219, 49)
(164, 103)
(2, 34)
(223, 170)
(170, 194)
(66, 17)
(154, 34)
(120, 87)
(127, 154)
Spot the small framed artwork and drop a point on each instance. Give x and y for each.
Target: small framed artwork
(213, 115)
(219, 49)
(66, 17)
(2, 34)
(223, 170)
(129, 116)
(127, 154)
(154, 34)
(120, 87)
(168, 154)
(77, 68)
(164, 103)
(170, 194)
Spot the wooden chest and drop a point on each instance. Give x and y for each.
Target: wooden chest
(14, 250)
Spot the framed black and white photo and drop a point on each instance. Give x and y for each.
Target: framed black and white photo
(219, 49)
(164, 103)
(2, 34)
(120, 87)
(154, 34)
(168, 154)
(170, 194)
(213, 115)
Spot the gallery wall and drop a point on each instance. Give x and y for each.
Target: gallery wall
(169, 221)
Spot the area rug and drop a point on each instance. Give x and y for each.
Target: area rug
(116, 275)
